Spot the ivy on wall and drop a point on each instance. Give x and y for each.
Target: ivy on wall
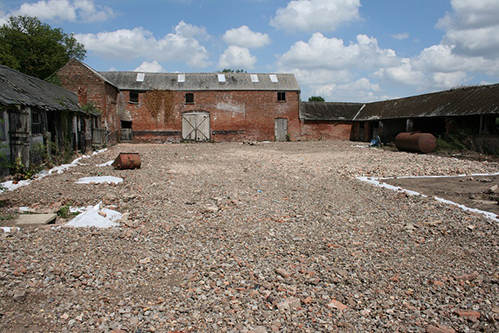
(156, 100)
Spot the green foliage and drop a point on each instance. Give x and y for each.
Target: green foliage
(91, 108)
(65, 211)
(228, 70)
(7, 217)
(316, 99)
(20, 172)
(35, 48)
(451, 141)
(54, 79)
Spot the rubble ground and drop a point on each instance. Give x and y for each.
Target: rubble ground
(268, 237)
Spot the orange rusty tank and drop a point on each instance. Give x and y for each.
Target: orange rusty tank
(418, 142)
(127, 161)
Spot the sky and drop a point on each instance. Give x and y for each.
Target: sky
(342, 50)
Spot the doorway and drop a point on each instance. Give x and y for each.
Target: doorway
(196, 126)
(281, 129)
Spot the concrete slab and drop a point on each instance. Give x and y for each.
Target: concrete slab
(35, 219)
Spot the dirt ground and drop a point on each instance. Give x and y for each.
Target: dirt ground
(265, 237)
(470, 191)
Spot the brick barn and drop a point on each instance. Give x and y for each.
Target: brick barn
(159, 107)
(327, 120)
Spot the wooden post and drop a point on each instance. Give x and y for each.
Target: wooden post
(409, 125)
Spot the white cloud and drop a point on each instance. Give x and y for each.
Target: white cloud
(472, 29)
(448, 80)
(418, 73)
(316, 15)
(236, 57)
(403, 74)
(332, 69)
(321, 52)
(191, 31)
(150, 67)
(400, 36)
(442, 58)
(470, 46)
(244, 37)
(65, 10)
(139, 43)
(360, 90)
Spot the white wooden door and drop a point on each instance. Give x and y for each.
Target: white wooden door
(196, 126)
(281, 129)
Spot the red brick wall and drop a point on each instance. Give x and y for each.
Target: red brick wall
(79, 79)
(325, 130)
(234, 115)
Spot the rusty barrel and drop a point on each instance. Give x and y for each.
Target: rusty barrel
(418, 142)
(127, 161)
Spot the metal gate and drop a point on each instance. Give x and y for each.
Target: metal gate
(281, 129)
(196, 126)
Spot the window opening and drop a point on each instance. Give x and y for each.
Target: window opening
(221, 78)
(254, 78)
(141, 77)
(181, 78)
(134, 97)
(189, 98)
(36, 123)
(273, 78)
(126, 124)
(281, 96)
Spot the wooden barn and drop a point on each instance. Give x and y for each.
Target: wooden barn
(34, 112)
(159, 107)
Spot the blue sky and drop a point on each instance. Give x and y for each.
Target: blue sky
(343, 50)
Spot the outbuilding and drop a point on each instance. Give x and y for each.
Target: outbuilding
(159, 107)
(36, 114)
(327, 120)
(474, 110)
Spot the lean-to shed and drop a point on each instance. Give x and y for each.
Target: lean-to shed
(34, 112)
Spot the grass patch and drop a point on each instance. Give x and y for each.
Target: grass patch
(7, 217)
(65, 212)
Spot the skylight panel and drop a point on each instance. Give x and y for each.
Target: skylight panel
(273, 78)
(254, 78)
(221, 78)
(141, 77)
(181, 78)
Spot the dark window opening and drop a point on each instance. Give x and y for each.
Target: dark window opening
(126, 124)
(36, 123)
(134, 97)
(361, 125)
(189, 98)
(281, 96)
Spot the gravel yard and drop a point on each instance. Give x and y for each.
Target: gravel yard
(271, 237)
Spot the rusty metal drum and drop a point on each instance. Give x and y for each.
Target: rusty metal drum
(127, 161)
(417, 142)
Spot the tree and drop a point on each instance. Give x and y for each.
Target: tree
(316, 99)
(35, 48)
(228, 70)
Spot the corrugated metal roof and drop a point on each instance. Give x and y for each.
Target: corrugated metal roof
(329, 110)
(201, 81)
(464, 101)
(20, 89)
